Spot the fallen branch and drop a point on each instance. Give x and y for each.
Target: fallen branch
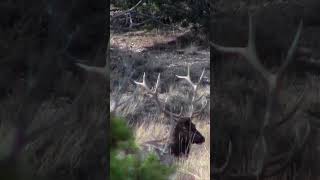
(125, 12)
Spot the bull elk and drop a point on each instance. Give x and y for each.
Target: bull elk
(184, 132)
(264, 162)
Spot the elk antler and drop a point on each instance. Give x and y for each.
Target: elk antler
(187, 77)
(273, 82)
(154, 94)
(99, 70)
(194, 88)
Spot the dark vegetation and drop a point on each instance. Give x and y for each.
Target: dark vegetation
(163, 13)
(129, 164)
(53, 115)
(290, 149)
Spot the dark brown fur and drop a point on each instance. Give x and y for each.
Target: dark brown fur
(185, 134)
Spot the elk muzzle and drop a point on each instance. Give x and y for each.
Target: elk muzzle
(197, 138)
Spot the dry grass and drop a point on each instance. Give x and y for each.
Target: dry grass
(240, 102)
(149, 125)
(74, 132)
(198, 162)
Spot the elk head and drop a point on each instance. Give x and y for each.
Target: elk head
(264, 162)
(184, 134)
(184, 131)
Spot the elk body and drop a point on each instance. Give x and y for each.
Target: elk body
(266, 159)
(184, 131)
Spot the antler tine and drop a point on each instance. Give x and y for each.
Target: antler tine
(276, 80)
(95, 69)
(248, 52)
(194, 86)
(187, 77)
(157, 84)
(239, 50)
(145, 86)
(291, 50)
(201, 76)
(288, 116)
(143, 83)
(154, 94)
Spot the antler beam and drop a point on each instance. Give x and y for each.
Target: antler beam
(273, 82)
(154, 94)
(250, 54)
(194, 88)
(98, 70)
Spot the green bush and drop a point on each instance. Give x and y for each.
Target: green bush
(125, 162)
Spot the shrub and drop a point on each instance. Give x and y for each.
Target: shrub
(176, 11)
(125, 161)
